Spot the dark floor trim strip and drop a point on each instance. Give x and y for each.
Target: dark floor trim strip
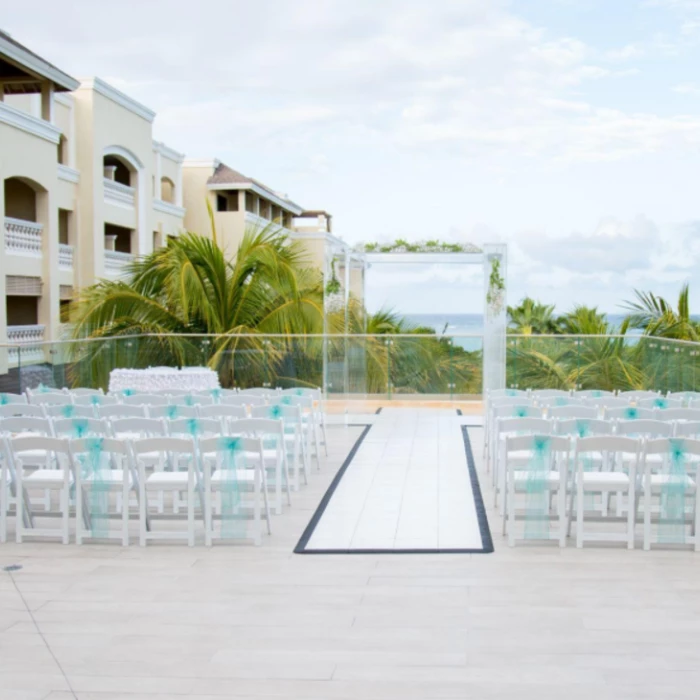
(476, 491)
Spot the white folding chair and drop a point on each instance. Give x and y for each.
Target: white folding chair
(271, 432)
(51, 398)
(294, 443)
(318, 407)
(121, 411)
(583, 412)
(502, 429)
(545, 473)
(608, 403)
(309, 423)
(555, 401)
(84, 391)
(506, 393)
(225, 411)
(507, 409)
(592, 393)
(549, 393)
(95, 400)
(679, 415)
(673, 485)
(243, 400)
(33, 394)
(102, 466)
(239, 476)
(687, 429)
(60, 479)
(661, 403)
(583, 427)
(619, 480)
(178, 451)
(258, 391)
(637, 395)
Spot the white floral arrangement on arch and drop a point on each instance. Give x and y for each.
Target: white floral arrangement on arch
(427, 246)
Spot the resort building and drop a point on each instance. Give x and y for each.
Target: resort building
(84, 189)
(239, 203)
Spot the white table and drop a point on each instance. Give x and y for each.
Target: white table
(163, 379)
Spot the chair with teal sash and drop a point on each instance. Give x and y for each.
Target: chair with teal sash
(674, 486)
(573, 411)
(80, 427)
(103, 466)
(177, 451)
(69, 411)
(173, 411)
(318, 406)
(22, 409)
(545, 472)
(622, 454)
(6, 399)
(121, 411)
(226, 411)
(629, 413)
(661, 403)
(271, 431)
(235, 478)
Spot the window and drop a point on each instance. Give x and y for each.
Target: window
(63, 150)
(64, 310)
(63, 225)
(22, 311)
(221, 202)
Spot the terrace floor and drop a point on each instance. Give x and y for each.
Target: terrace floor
(102, 622)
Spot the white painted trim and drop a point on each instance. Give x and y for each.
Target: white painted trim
(167, 152)
(320, 236)
(36, 64)
(124, 153)
(194, 163)
(68, 174)
(118, 97)
(31, 125)
(168, 208)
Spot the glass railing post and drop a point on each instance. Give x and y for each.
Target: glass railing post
(388, 367)
(451, 385)
(577, 383)
(266, 377)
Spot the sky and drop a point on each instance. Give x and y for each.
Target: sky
(569, 129)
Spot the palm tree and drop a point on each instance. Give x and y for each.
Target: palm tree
(531, 317)
(584, 320)
(190, 287)
(657, 317)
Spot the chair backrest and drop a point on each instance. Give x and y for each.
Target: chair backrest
(629, 413)
(679, 414)
(195, 399)
(95, 400)
(69, 411)
(608, 444)
(172, 411)
(169, 444)
(666, 445)
(146, 400)
(644, 427)
(505, 393)
(121, 411)
(592, 393)
(637, 395)
(549, 393)
(524, 425)
(223, 411)
(80, 427)
(107, 445)
(6, 399)
(247, 400)
(26, 424)
(278, 411)
(607, 402)
(141, 427)
(547, 401)
(32, 394)
(660, 403)
(516, 411)
(554, 443)
(583, 427)
(512, 401)
(22, 409)
(32, 443)
(51, 398)
(690, 428)
(86, 392)
(222, 446)
(195, 427)
(258, 427)
(258, 391)
(573, 412)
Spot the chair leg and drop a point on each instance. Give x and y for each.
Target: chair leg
(65, 515)
(3, 501)
(579, 515)
(561, 507)
(696, 520)
(285, 468)
(125, 509)
(511, 511)
(143, 501)
(190, 508)
(256, 505)
(19, 505)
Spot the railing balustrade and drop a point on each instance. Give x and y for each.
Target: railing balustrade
(118, 194)
(26, 345)
(65, 256)
(23, 237)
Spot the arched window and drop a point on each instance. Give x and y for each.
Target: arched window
(20, 199)
(118, 169)
(167, 190)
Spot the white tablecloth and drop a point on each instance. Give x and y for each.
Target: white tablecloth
(163, 378)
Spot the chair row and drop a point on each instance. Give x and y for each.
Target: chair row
(560, 480)
(224, 482)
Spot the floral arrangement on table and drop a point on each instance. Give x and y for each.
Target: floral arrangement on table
(495, 295)
(402, 246)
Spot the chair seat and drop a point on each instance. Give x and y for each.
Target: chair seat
(605, 480)
(113, 477)
(521, 478)
(220, 476)
(160, 480)
(658, 481)
(49, 477)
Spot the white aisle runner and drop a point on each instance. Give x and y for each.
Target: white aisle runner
(408, 487)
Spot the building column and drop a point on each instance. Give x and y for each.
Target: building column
(49, 303)
(495, 317)
(178, 186)
(47, 102)
(158, 176)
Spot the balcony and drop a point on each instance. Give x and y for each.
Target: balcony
(65, 256)
(260, 222)
(119, 195)
(115, 262)
(168, 208)
(23, 237)
(27, 341)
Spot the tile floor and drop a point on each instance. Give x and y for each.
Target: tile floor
(407, 487)
(106, 623)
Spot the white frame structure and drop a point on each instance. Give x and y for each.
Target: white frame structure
(495, 318)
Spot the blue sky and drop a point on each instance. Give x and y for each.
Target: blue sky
(568, 128)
